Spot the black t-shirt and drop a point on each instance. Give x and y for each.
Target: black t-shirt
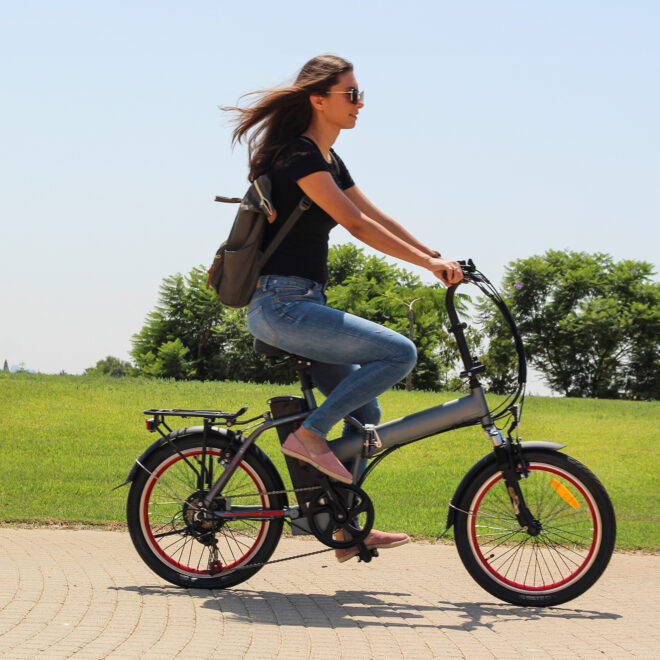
(304, 250)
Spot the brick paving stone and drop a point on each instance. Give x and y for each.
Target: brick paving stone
(85, 594)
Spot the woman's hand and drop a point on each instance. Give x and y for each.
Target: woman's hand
(449, 272)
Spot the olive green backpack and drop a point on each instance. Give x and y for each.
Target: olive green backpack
(239, 260)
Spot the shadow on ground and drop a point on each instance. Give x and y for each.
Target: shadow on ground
(348, 608)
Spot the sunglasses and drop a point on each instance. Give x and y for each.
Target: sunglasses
(355, 96)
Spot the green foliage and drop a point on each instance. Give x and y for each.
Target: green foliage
(170, 362)
(590, 325)
(111, 366)
(191, 335)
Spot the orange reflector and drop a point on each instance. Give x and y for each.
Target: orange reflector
(565, 494)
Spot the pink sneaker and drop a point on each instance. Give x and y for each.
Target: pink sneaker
(375, 539)
(327, 462)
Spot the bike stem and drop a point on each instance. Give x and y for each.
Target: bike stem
(457, 328)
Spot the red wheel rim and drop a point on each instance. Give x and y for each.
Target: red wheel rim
(168, 557)
(556, 564)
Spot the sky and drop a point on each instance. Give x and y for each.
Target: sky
(491, 130)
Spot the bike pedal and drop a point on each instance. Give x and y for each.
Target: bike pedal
(366, 554)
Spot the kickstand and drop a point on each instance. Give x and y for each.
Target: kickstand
(366, 554)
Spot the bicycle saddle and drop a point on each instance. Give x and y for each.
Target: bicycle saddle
(274, 352)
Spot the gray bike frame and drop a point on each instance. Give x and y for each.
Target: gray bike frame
(466, 411)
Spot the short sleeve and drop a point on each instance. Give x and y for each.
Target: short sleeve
(345, 179)
(301, 159)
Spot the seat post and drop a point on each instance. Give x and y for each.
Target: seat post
(278, 356)
(306, 385)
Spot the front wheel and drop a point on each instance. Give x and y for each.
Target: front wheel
(565, 558)
(166, 498)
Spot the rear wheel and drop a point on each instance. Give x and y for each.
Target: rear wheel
(185, 548)
(566, 557)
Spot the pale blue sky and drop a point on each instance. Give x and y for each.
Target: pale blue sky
(492, 130)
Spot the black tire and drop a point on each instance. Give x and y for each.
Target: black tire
(158, 513)
(570, 553)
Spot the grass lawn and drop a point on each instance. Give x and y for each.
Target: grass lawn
(66, 441)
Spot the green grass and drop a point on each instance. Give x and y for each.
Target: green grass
(66, 441)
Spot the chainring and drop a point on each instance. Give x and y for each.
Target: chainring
(337, 509)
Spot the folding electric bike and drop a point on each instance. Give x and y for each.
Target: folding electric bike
(206, 506)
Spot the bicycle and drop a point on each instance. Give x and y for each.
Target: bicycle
(206, 507)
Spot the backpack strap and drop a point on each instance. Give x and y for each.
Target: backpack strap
(304, 204)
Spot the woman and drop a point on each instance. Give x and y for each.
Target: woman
(353, 360)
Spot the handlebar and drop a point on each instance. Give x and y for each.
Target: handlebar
(470, 272)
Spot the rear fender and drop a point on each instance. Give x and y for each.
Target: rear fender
(480, 465)
(178, 433)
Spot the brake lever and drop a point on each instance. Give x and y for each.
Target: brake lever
(470, 273)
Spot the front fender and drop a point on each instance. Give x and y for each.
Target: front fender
(162, 440)
(480, 465)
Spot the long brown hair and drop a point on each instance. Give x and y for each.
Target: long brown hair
(281, 114)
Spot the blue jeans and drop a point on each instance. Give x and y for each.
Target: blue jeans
(353, 360)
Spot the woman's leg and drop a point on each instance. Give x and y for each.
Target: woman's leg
(328, 335)
(326, 377)
(384, 356)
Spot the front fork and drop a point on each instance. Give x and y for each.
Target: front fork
(512, 464)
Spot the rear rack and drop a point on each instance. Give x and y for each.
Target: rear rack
(210, 417)
(206, 414)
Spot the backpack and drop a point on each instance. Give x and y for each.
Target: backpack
(239, 260)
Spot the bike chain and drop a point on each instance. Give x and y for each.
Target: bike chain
(276, 561)
(272, 561)
(272, 492)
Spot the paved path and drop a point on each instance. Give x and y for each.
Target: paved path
(85, 594)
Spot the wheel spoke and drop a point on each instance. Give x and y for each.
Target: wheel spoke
(170, 533)
(510, 552)
(555, 554)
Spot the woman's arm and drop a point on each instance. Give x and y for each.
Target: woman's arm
(321, 188)
(368, 208)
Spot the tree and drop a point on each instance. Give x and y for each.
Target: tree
(5, 366)
(590, 325)
(109, 366)
(191, 335)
